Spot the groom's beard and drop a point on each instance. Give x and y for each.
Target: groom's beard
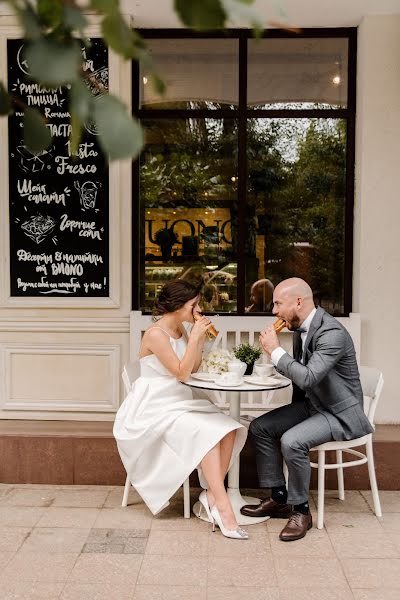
(292, 322)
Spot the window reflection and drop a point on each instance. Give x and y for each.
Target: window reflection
(290, 215)
(198, 73)
(300, 73)
(296, 196)
(188, 181)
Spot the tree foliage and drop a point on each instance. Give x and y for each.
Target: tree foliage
(55, 30)
(295, 189)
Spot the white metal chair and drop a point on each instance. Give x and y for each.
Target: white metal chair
(130, 372)
(372, 384)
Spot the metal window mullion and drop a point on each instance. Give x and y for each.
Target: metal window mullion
(136, 213)
(350, 163)
(242, 175)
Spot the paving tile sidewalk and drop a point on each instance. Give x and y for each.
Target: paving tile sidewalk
(76, 542)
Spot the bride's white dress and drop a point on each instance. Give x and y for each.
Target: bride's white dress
(163, 433)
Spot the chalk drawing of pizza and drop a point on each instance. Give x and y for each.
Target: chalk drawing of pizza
(38, 227)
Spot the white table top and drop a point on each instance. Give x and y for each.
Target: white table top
(243, 387)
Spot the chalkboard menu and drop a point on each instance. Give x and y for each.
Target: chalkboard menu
(59, 225)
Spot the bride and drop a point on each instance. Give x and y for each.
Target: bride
(162, 432)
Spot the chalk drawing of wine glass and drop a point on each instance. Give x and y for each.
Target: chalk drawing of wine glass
(38, 227)
(87, 194)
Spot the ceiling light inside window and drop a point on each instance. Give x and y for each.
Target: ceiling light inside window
(336, 80)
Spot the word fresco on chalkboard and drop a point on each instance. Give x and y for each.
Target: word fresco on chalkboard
(59, 225)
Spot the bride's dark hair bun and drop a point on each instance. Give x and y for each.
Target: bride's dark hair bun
(174, 295)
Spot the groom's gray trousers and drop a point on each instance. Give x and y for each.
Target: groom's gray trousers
(288, 433)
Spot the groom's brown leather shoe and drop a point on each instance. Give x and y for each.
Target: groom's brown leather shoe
(296, 528)
(267, 508)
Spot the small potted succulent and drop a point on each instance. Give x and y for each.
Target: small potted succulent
(247, 354)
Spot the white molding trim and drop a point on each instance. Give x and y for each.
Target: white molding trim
(8, 350)
(67, 324)
(117, 80)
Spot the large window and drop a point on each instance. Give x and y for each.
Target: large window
(247, 173)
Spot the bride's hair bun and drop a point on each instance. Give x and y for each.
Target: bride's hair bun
(174, 295)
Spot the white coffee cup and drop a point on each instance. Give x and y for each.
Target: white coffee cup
(230, 377)
(264, 370)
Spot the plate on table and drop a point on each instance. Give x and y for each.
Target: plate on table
(264, 381)
(223, 383)
(203, 376)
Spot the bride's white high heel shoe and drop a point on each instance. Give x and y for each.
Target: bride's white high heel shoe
(204, 502)
(237, 534)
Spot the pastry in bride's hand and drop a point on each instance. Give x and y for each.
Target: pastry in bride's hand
(211, 331)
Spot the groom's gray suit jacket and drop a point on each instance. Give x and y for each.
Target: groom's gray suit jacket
(329, 378)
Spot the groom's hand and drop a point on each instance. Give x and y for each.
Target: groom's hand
(269, 340)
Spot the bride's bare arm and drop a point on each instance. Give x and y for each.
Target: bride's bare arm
(157, 342)
(199, 354)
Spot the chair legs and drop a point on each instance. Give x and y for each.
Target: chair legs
(186, 496)
(372, 477)
(126, 492)
(321, 488)
(340, 477)
(186, 499)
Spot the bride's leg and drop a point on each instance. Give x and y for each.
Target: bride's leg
(227, 444)
(216, 493)
(226, 448)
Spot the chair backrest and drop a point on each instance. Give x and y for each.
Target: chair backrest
(130, 373)
(372, 384)
(234, 330)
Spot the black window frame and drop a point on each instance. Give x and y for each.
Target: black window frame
(242, 114)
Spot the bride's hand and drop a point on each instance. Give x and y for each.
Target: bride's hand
(200, 327)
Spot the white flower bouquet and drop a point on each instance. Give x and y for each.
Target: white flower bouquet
(216, 361)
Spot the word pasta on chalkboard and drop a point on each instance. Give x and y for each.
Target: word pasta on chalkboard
(59, 204)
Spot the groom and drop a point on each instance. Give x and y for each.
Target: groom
(327, 405)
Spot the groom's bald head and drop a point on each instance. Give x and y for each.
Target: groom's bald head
(293, 301)
(295, 287)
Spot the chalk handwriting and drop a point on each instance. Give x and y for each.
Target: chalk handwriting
(85, 150)
(85, 228)
(63, 130)
(37, 193)
(63, 167)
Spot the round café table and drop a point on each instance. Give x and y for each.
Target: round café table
(233, 398)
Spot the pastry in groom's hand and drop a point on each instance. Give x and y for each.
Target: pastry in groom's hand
(279, 325)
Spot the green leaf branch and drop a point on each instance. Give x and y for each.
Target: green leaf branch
(55, 31)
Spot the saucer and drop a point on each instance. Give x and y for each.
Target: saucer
(264, 376)
(224, 383)
(264, 381)
(203, 376)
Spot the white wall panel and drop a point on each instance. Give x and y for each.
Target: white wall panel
(61, 377)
